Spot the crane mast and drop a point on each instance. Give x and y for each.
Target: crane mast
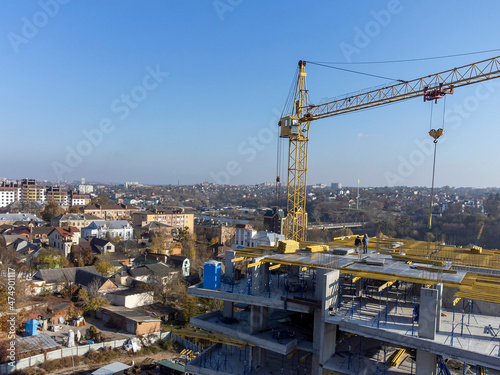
(295, 125)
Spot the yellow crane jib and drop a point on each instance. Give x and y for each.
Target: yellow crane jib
(295, 124)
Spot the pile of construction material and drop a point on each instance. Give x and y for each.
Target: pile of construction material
(317, 248)
(288, 246)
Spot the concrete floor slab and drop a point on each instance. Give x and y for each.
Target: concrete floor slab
(470, 340)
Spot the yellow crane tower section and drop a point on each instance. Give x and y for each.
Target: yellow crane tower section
(295, 125)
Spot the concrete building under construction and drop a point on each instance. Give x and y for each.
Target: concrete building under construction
(401, 308)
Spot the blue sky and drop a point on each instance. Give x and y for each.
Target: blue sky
(170, 91)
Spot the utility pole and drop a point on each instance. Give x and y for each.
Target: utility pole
(357, 197)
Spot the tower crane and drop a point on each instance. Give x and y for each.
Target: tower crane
(295, 124)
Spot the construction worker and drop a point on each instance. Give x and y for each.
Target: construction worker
(365, 243)
(357, 243)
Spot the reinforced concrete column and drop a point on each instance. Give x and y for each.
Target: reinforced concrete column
(228, 265)
(427, 320)
(426, 363)
(325, 334)
(257, 357)
(439, 288)
(228, 309)
(258, 318)
(260, 277)
(293, 273)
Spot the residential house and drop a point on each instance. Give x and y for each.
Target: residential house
(88, 280)
(73, 220)
(102, 246)
(274, 220)
(19, 244)
(142, 274)
(40, 234)
(32, 220)
(56, 279)
(156, 227)
(130, 297)
(111, 229)
(64, 238)
(5, 228)
(180, 262)
(246, 236)
(21, 230)
(218, 250)
(151, 272)
(133, 321)
(111, 211)
(11, 238)
(211, 229)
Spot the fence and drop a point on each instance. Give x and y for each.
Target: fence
(7, 368)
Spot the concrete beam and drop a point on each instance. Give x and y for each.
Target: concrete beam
(419, 343)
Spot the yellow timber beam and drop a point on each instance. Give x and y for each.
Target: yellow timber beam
(238, 259)
(456, 300)
(386, 285)
(213, 337)
(289, 356)
(356, 279)
(255, 264)
(274, 267)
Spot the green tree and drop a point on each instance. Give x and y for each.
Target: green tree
(90, 298)
(51, 258)
(103, 266)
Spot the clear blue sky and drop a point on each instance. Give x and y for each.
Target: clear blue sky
(179, 90)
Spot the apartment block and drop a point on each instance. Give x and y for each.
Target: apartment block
(32, 190)
(57, 194)
(111, 211)
(79, 199)
(10, 192)
(174, 218)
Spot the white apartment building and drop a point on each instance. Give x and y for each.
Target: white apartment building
(9, 193)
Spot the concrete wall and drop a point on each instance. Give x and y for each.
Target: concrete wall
(57, 354)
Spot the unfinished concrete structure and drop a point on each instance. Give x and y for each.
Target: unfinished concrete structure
(322, 313)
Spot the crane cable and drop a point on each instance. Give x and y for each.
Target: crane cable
(409, 60)
(355, 71)
(434, 134)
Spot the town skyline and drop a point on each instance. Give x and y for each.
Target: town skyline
(150, 100)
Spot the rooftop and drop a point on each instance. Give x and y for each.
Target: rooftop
(132, 314)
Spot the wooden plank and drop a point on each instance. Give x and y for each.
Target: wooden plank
(255, 264)
(386, 285)
(274, 267)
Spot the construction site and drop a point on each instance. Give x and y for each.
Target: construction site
(401, 308)
(398, 306)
